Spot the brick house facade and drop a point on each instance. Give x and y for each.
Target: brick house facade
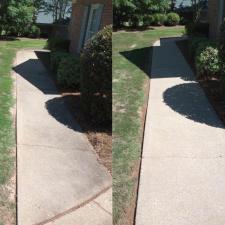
(88, 16)
(216, 17)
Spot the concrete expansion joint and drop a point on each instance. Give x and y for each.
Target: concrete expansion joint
(73, 209)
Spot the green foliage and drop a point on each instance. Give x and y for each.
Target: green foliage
(123, 10)
(68, 75)
(55, 59)
(16, 16)
(172, 19)
(35, 32)
(96, 79)
(31, 32)
(207, 62)
(58, 8)
(159, 19)
(148, 20)
(61, 44)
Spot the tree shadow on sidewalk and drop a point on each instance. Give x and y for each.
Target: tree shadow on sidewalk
(57, 109)
(72, 103)
(190, 101)
(35, 73)
(143, 59)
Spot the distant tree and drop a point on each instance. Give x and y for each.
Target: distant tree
(124, 9)
(197, 6)
(173, 5)
(58, 8)
(39, 6)
(16, 15)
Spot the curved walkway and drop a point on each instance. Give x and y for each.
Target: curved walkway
(60, 181)
(183, 166)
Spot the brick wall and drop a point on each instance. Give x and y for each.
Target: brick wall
(77, 18)
(215, 17)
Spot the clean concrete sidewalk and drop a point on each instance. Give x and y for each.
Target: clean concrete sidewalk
(183, 166)
(59, 178)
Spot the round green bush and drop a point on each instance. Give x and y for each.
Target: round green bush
(148, 20)
(96, 77)
(159, 19)
(58, 44)
(207, 62)
(34, 32)
(135, 21)
(68, 75)
(173, 19)
(55, 59)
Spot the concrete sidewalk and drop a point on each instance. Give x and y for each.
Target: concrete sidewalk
(183, 167)
(59, 178)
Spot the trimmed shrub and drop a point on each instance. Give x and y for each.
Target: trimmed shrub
(96, 77)
(136, 21)
(55, 44)
(148, 20)
(207, 62)
(31, 32)
(55, 59)
(159, 19)
(173, 19)
(197, 29)
(34, 32)
(68, 75)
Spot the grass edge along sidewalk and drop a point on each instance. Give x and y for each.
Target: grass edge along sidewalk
(8, 49)
(131, 56)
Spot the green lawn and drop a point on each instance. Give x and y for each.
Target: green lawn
(7, 133)
(131, 61)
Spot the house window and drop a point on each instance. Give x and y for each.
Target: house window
(91, 23)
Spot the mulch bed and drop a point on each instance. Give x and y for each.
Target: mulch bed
(211, 87)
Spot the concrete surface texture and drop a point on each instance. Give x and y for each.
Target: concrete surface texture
(182, 178)
(59, 178)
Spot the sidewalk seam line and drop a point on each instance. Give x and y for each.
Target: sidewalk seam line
(73, 209)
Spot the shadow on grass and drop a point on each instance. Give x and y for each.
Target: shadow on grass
(132, 29)
(189, 100)
(8, 38)
(44, 56)
(142, 58)
(33, 71)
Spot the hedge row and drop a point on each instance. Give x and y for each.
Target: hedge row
(91, 73)
(157, 19)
